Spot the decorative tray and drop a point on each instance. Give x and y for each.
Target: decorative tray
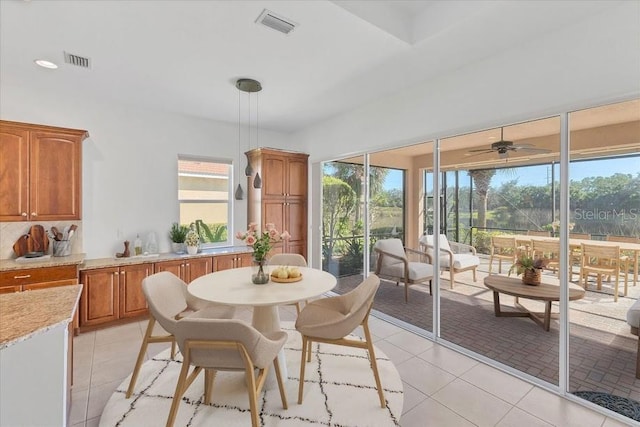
(289, 280)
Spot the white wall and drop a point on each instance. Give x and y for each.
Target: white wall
(130, 162)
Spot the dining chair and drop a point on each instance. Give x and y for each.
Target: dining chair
(394, 263)
(502, 248)
(541, 233)
(455, 257)
(167, 297)
(602, 260)
(549, 249)
(330, 321)
(289, 260)
(216, 345)
(627, 257)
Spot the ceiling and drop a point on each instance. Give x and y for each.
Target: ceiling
(185, 56)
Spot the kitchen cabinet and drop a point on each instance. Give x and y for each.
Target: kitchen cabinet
(41, 169)
(282, 200)
(187, 269)
(113, 293)
(226, 262)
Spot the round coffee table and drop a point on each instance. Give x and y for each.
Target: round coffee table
(547, 291)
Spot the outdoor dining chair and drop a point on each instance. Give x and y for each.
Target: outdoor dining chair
(626, 257)
(502, 249)
(226, 345)
(168, 301)
(394, 263)
(602, 261)
(549, 249)
(331, 320)
(454, 257)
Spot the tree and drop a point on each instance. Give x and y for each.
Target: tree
(353, 175)
(338, 203)
(482, 181)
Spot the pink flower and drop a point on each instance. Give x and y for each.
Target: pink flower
(285, 235)
(273, 234)
(253, 226)
(270, 226)
(240, 235)
(251, 239)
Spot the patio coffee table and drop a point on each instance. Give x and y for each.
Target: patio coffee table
(547, 291)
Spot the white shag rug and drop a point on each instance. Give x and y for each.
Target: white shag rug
(339, 391)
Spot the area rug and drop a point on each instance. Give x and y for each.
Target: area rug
(622, 405)
(339, 391)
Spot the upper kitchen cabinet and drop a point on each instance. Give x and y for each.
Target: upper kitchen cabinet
(282, 199)
(41, 170)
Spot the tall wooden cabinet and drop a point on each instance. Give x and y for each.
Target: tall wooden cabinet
(282, 200)
(41, 169)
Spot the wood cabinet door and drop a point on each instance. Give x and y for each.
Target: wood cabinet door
(175, 267)
(224, 262)
(296, 219)
(100, 296)
(273, 176)
(55, 176)
(10, 289)
(197, 267)
(244, 260)
(132, 300)
(14, 170)
(297, 178)
(273, 212)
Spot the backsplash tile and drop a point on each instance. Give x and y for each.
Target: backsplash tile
(11, 231)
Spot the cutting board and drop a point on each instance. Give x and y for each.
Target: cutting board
(38, 240)
(20, 247)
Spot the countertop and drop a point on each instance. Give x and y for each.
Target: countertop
(89, 264)
(28, 313)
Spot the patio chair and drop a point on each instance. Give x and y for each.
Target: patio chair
(633, 319)
(503, 248)
(167, 297)
(627, 257)
(331, 320)
(541, 233)
(549, 249)
(394, 264)
(455, 257)
(602, 261)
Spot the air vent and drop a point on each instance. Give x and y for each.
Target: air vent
(276, 22)
(77, 60)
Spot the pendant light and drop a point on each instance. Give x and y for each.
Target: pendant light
(250, 86)
(239, 194)
(257, 181)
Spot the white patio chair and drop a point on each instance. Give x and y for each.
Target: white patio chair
(454, 257)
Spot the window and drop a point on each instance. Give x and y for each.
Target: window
(204, 194)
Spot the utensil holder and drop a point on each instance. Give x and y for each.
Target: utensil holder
(61, 247)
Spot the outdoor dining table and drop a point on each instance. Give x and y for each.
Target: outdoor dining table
(575, 244)
(234, 287)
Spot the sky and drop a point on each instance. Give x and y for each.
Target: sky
(539, 175)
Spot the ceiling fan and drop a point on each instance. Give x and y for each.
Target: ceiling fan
(503, 148)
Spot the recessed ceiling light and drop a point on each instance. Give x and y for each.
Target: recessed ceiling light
(46, 64)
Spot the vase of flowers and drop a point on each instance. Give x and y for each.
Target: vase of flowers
(261, 242)
(530, 268)
(192, 240)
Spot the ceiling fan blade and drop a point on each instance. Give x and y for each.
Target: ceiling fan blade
(532, 150)
(481, 150)
(472, 153)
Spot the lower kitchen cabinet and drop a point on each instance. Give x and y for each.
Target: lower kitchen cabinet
(226, 262)
(113, 293)
(186, 269)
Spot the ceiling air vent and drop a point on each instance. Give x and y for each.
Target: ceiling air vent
(77, 60)
(276, 22)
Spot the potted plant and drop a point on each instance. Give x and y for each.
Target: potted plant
(192, 240)
(178, 234)
(530, 268)
(261, 244)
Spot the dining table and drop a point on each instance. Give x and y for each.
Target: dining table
(576, 243)
(234, 287)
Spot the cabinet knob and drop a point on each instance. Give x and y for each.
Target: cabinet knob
(122, 272)
(24, 214)
(34, 214)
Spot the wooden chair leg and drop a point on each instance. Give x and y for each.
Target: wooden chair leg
(209, 376)
(143, 350)
(253, 397)
(303, 360)
(490, 263)
(451, 277)
(374, 364)
(177, 396)
(406, 292)
(474, 275)
(283, 395)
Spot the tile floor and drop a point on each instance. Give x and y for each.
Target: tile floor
(441, 387)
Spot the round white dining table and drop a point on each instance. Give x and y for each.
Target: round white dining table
(234, 287)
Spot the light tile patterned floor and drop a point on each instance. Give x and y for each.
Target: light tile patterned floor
(441, 387)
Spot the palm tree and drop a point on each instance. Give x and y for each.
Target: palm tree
(482, 181)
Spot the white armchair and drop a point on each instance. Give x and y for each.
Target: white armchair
(394, 263)
(454, 257)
